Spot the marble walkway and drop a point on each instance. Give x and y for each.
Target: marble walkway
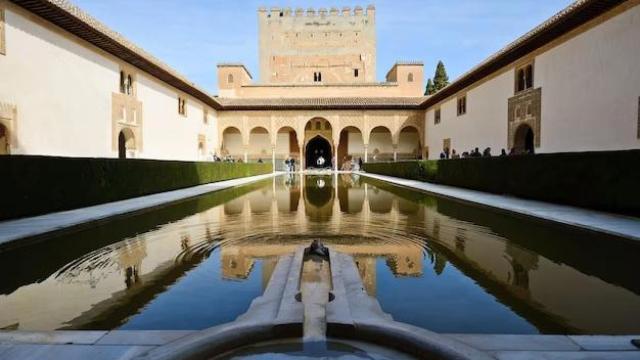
(19, 230)
(612, 224)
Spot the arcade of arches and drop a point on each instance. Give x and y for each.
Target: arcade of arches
(321, 139)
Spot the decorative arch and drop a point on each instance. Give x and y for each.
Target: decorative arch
(287, 146)
(350, 146)
(259, 145)
(381, 144)
(524, 140)
(126, 143)
(232, 142)
(409, 143)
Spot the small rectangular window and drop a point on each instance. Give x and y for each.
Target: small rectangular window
(462, 105)
(355, 73)
(182, 106)
(436, 116)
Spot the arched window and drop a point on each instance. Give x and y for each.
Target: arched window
(230, 78)
(126, 143)
(319, 77)
(315, 77)
(410, 77)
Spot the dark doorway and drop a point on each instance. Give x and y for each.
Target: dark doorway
(318, 153)
(122, 146)
(524, 140)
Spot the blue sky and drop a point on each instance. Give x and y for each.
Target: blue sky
(193, 36)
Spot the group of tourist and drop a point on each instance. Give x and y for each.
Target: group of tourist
(227, 159)
(349, 164)
(290, 164)
(475, 153)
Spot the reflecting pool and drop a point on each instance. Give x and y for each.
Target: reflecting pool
(430, 262)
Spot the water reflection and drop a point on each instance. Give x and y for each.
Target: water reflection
(431, 262)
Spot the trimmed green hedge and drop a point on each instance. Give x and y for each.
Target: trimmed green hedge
(31, 185)
(604, 180)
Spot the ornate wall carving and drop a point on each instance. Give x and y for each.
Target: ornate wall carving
(126, 113)
(525, 108)
(8, 117)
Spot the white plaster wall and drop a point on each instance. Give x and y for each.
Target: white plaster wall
(484, 124)
(166, 133)
(62, 90)
(590, 88)
(63, 87)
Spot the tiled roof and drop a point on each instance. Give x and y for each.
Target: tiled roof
(321, 103)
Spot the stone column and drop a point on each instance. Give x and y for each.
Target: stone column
(335, 158)
(301, 163)
(366, 153)
(273, 157)
(395, 152)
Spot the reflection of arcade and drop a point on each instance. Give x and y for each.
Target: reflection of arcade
(318, 195)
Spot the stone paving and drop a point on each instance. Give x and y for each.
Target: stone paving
(12, 231)
(612, 224)
(124, 344)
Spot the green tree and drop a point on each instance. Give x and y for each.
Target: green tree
(430, 89)
(440, 79)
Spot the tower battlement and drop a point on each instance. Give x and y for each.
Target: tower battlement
(278, 12)
(317, 45)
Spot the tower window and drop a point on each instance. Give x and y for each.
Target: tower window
(355, 73)
(410, 77)
(230, 79)
(436, 116)
(317, 77)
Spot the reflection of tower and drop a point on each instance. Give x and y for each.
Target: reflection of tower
(268, 265)
(522, 261)
(406, 262)
(130, 257)
(367, 268)
(235, 264)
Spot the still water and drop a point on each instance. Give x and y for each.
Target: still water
(430, 262)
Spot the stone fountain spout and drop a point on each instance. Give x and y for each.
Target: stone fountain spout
(315, 291)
